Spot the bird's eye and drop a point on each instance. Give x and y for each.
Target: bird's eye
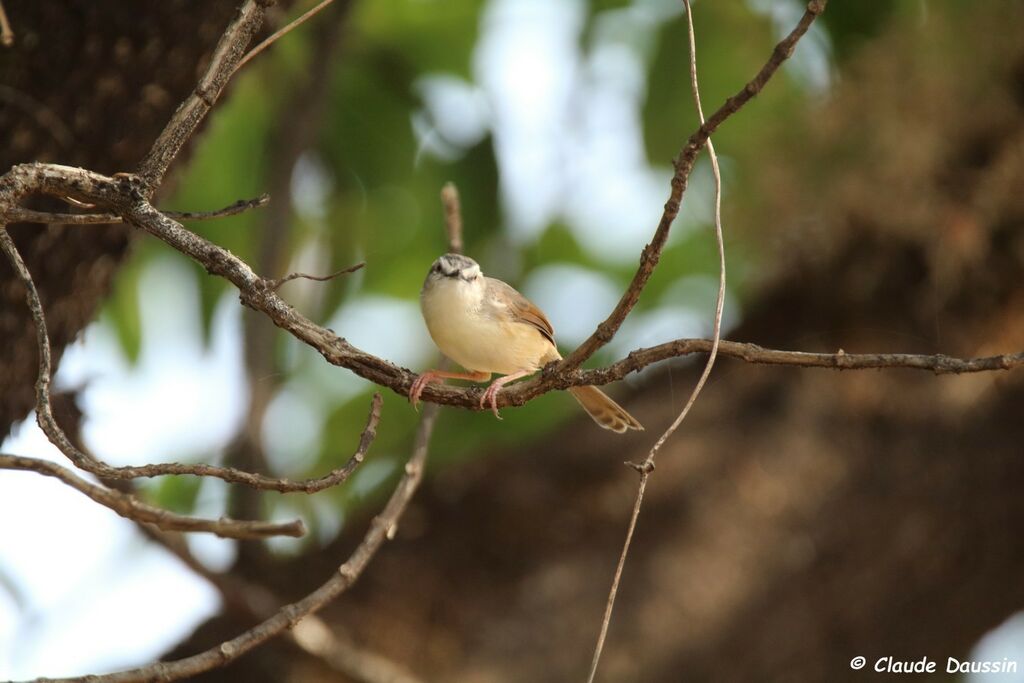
(436, 268)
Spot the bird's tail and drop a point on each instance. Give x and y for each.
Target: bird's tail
(604, 410)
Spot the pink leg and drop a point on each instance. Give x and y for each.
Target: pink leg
(491, 395)
(434, 375)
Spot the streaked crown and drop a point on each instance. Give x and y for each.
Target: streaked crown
(456, 266)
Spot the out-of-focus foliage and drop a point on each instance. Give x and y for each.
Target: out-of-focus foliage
(367, 189)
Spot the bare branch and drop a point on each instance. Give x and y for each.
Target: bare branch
(276, 284)
(121, 503)
(49, 425)
(382, 528)
(647, 467)
(452, 216)
(752, 353)
(683, 166)
(255, 602)
(190, 114)
(279, 34)
(19, 215)
(255, 481)
(124, 197)
(132, 508)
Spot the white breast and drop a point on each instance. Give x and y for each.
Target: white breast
(456, 322)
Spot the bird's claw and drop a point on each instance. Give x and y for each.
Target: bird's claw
(416, 389)
(491, 396)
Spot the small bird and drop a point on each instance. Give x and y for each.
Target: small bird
(487, 327)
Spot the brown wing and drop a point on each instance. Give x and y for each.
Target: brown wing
(524, 311)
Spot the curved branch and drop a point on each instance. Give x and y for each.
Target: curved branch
(279, 34)
(277, 282)
(89, 463)
(123, 504)
(123, 195)
(16, 214)
(255, 481)
(134, 509)
(683, 164)
(647, 466)
(382, 528)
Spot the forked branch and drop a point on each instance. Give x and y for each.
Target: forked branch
(646, 468)
(683, 164)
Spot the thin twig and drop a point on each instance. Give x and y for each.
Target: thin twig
(452, 216)
(19, 215)
(255, 481)
(382, 528)
(47, 422)
(78, 202)
(279, 34)
(6, 33)
(254, 602)
(939, 364)
(647, 467)
(276, 284)
(683, 166)
(134, 509)
(614, 590)
(53, 431)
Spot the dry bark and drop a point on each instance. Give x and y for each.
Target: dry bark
(86, 84)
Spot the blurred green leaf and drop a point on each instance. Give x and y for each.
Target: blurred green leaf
(176, 493)
(432, 37)
(121, 310)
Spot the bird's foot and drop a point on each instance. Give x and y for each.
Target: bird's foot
(491, 396)
(417, 387)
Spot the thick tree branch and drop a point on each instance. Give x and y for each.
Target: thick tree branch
(132, 508)
(123, 196)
